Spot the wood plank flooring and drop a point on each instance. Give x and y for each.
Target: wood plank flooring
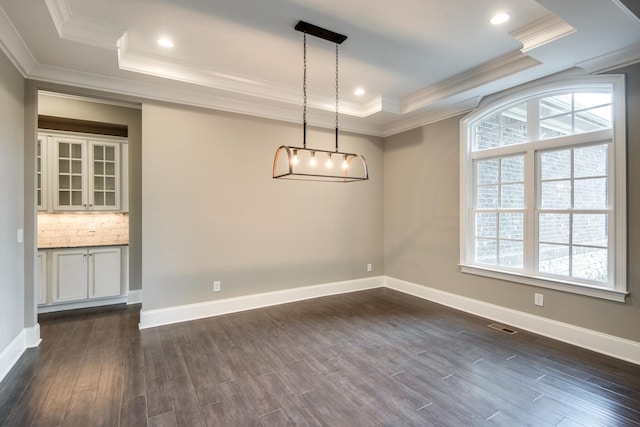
(371, 358)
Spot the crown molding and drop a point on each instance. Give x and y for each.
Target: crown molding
(628, 12)
(488, 72)
(60, 12)
(543, 31)
(81, 29)
(141, 91)
(432, 116)
(380, 104)
(14, 47)
(620, 58)
(154, 65)
(125, 104)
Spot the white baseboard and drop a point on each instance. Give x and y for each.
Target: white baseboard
(183, 313)
(609, 345)
(83, 304)
(134, 297)
(27, 338)
(32, 336)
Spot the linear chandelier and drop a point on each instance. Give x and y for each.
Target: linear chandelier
(309, 164)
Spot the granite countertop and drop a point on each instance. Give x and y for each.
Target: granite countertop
(82, 246)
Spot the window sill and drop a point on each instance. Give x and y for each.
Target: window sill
(591, 291)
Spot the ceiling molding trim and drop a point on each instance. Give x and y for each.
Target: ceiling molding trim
(14, 46)
(60, 13)
(379, 104)
(541, 32)
(132, 105)
(435, 115)
(144, 63)
(486, 73)
(620, 58)
(628, 12)
(82, 29)
(141, 91)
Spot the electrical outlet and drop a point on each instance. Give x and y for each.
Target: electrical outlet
(538, 299)
(92, 227)
(369, 268)
(216, 286)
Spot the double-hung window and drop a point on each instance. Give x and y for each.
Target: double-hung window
(543, 187)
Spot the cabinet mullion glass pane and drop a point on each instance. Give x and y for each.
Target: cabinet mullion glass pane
(76, 198)
(104, 175)
(64, 198)
(76, 182)
(70, 174)
(63, 166)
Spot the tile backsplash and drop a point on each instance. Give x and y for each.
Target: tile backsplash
(67, 230)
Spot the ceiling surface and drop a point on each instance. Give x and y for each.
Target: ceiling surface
(416, 60)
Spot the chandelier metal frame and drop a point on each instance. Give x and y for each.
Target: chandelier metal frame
(301, 163)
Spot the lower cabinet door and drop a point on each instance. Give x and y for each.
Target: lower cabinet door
(40, 277)
(104, 272)
(69, 275)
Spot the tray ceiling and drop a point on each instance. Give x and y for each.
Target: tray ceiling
(417, 60)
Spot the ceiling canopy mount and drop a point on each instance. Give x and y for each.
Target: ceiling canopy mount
(321, 33)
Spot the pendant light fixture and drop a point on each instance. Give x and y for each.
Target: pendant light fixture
(311, 164)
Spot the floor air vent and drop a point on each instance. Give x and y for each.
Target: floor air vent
(502, 328)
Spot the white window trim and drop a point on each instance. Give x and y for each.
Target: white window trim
(617, 133)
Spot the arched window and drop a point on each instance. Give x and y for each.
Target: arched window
(543, 187)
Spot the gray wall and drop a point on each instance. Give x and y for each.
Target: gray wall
(131, 117)
(12, 299)
(421, 227)
(211, 210)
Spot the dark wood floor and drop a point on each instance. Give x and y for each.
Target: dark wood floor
(372, 358)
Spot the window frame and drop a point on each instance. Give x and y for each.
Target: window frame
(616, 289)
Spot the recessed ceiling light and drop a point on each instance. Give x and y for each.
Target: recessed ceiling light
(359, 91)
(164, 42)
(500, 18)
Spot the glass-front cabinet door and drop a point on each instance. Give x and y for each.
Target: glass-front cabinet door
(41, 173)
(69, 166)
(104, 176)
(86, 174)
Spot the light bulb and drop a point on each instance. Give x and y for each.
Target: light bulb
(294, 159)
(345, 164)
(313, 160)
(329, 161)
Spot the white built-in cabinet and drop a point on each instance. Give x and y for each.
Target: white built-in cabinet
(80, 173)
(40, 277)
(79, 275)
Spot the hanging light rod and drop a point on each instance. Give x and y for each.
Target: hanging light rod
(312, 164)
(322, 33)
